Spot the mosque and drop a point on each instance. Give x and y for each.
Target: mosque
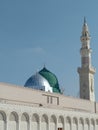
(41, 105)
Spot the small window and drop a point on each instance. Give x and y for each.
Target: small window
(51, 100)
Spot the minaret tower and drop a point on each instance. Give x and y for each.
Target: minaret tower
(86, 71)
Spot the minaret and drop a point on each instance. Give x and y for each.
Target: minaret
(86, 71)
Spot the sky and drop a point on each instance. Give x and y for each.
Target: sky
(34, 33)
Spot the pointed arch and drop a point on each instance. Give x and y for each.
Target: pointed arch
(86, 124)
(81, 121)
(25, 117)
(75, 123)
(35, 117)
(35, 122)
(53, 122)
(61, 122)
(44, 122)
(24, 121)
(81, 124)
(13, 121)
(96, 124)
(68, 123)
(96, 121)
(92, 124)
(13, 116)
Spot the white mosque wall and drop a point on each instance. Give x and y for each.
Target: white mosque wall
(20, 117)
(16, 94)
(27, 109)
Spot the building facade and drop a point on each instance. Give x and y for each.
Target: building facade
(40, 104)
(27, 109)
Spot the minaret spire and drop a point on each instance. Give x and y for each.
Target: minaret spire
(85, 49)
(84, 20)
(86, 71)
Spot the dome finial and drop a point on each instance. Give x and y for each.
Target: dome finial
(44, 66)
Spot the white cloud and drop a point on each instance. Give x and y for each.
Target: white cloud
(30, 51)
(38, 50)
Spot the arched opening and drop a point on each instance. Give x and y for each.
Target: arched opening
(35, 122)
(75, 124)
(44, 122)
(68, 123)
(86, 125)
(96, 124)
(13, 121)
(81, 124)
(2, 120)
(61, 123)
(24, 122)
(92, 125)
(53, 123)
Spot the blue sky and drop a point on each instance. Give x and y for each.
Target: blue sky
(38, 32)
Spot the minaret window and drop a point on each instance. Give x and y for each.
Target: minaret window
(84, 88)
(85, 34)
(85, 60)
(92, 89)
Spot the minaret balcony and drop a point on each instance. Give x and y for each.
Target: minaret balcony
(84, 38)
(87, 69)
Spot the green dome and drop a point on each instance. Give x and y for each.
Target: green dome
(51, 78)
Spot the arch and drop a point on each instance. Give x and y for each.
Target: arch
(44, 122)
(13, 121)
(96, 124)
(61, 122)
(87, 121)
(35, 122)
(35, 117)
(86, 124)
(2, 120)
(61, 119)
(68, 123)
(24, 121)
(92, 124)
(81, 121)
(53, 119)
(25, 117)
(13, 116)
(44, 118)
(68, 119)
(53, 122)
(75, 123)
(96, 121)
(81, 124)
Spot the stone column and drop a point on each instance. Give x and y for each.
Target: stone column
(64, 123)
(71, 124)
(57, 123)
(6, 124)
(77, 124)
(48, 123)
(39, 122)
(19, 122)
(30, 121)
